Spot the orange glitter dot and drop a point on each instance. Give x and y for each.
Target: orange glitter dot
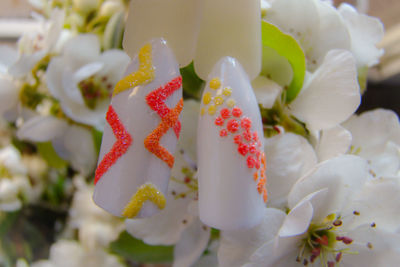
(255, 176)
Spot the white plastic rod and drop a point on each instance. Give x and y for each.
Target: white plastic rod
(231, 160)
(177, 21)
(229, 28)
(140, 135)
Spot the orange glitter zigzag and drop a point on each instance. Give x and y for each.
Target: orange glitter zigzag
(143, 75)
(156, 99)
(124, 140)
(152, 141)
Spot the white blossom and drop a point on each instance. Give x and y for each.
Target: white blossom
(82, 78)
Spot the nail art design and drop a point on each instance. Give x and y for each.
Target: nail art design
(230, 150)
(140, 136)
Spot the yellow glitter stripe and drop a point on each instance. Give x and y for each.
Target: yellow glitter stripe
(144, 193)
(143, 75)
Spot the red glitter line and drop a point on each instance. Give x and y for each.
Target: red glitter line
(124, 140)
(157, 97)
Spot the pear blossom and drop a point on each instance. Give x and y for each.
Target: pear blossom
(82, 78)
(33, 47)
(335, 217)
(65, 253)
(179, 222)
(13, 179)
(365, 33)
(316, 25)
(72, 142)
(330, 95)
(376, 137)
(289, 157)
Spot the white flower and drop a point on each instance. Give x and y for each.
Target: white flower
(316, 25)
(365, 33)
(96, 227)
(82, 78)
(13, 179)
(66, 253)
(72, 142)
(34, 46)
(331, 94)
(338, 215)
(332, 142)
(178, 223)
(376, 137)
(289, 156)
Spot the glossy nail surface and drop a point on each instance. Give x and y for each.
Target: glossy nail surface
(140, 135)
(231, 160)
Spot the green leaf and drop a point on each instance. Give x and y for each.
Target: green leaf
(286, 46)
(137, 251)
(47, 151)
(97, 137)
(191, 83)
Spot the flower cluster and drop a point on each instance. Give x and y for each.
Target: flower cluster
(333, 177)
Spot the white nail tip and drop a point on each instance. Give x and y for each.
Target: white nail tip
(230, 150)
(229, 28)
(175, 20)
(203, 30)
(131, 170)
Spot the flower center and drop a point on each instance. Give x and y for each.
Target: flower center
(189, 181)
(95, 89)
(321, 242)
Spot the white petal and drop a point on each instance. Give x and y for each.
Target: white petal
(115, 63)
(333, 142)
(281, 252)
(372, 130)
(384, 250)
(177, 21)
(81, 50)
(332, 34)
(266, 91)
(379, 203)
(26, 63)
(164, 228)
(237, 35)
(343, 176)
(289, 156)
(365, 33)
(332, 93)
(236, 247)
(299, 218)
(294, 17)
(42, 129)
(8, 56)
(8, 95)
(387, 163)
(192, 244)
(78, 141)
